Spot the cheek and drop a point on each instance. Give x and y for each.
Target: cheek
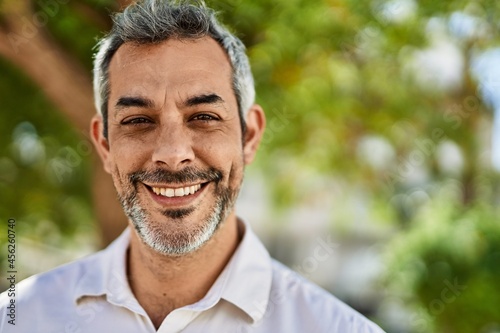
(118, 181)
(218, 144)
(128, 154)
(236, 174)
(235, 166)
(224, 156)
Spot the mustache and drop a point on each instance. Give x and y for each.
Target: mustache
(186, 175)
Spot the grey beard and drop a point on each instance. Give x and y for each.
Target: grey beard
(180, 242)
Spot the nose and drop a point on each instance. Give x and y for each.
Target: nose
(173, 146)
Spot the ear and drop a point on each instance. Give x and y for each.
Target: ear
(100, 142)
(255, 123)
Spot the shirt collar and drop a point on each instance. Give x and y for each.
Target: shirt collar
(105, 274)
(245, 281)
(249, 276)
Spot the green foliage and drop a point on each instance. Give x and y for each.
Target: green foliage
(448, 244)
(44, 166)
(330, 73)
(85, 19)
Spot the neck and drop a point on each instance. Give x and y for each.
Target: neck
(163, 283)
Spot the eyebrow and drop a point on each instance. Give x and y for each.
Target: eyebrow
(204, 99)
(140, 102)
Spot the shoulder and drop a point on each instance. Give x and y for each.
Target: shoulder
(56, 282)
(43, 295)
(307, 304)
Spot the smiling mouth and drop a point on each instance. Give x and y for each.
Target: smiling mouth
(171, 192)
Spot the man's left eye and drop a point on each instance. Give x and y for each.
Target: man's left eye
(204, 117)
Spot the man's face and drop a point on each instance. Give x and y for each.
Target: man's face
(175, 148)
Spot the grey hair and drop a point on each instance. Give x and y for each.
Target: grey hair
(154, 21)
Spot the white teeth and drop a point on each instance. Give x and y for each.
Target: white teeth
(176, 192)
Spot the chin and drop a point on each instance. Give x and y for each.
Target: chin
(179, 236)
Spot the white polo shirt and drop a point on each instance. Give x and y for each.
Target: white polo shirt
(254, 293)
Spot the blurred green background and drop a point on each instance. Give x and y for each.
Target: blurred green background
(382, 148)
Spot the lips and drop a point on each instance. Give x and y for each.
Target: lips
(176, 189)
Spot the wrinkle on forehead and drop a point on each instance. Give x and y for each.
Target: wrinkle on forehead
(181, 67)
(131, 53)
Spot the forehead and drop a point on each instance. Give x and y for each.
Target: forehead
(196, 64)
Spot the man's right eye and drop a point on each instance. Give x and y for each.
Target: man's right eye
(136, 121)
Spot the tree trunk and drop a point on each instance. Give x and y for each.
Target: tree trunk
(68, 85)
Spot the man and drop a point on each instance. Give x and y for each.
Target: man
(176, 125)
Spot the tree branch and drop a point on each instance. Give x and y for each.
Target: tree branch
(63, 81)
(103, 22)
(123, 3)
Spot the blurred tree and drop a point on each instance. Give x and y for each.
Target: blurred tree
(39, 38)
(380, 93)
